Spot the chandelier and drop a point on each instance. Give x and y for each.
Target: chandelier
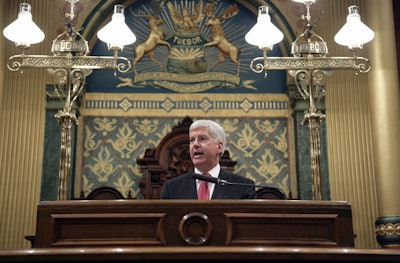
(69, 65)
(310, 67)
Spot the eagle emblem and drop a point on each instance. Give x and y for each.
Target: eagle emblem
(186, 19)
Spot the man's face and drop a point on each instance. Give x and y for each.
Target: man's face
(204, 151)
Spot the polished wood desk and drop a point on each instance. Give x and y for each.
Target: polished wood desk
(231, 254)
(183, 223)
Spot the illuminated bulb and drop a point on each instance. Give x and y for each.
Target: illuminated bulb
(23, 31)
(264, 34)
(116, 33)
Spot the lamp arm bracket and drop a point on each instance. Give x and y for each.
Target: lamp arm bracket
(17, 62)
(257, 65)
(359, 64)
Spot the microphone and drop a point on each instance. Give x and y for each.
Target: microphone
(206, 178)
(214, 180)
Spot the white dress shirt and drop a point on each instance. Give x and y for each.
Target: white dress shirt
(214, 172)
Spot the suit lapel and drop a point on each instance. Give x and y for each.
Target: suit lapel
(190, 186)
(220, 190)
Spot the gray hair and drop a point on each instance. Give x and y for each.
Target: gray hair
(216, 131)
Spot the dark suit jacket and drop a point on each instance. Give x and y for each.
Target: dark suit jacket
(184, 187)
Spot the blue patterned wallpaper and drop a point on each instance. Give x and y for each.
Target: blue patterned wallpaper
(111, 146)
(115, 130)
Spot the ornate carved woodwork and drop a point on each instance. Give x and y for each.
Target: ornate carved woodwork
(180, 223)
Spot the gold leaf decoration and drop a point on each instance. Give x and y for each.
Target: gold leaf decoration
(124, 184)
(146, 126)
(125, 143)
(103, 165)
(105, 125)
(90, 144)
(268, 166)
(282, 144)
(248, 141)
(87, 186)
(266, 126)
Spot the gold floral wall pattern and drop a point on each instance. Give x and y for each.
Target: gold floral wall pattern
(112, 142)
(112, 145)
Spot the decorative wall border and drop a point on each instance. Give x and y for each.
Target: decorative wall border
(261, 119)
(144, 104)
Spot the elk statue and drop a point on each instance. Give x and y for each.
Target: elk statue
(155, 38)
(218, 36)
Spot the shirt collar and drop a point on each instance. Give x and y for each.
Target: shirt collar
(214, 172)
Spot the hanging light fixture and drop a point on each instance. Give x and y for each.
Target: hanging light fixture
(116, 33)
(310, 67)
(23, 31)
(354, 33)
(264, 34)
(69, 65)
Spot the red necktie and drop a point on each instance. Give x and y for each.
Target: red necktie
(204, 193)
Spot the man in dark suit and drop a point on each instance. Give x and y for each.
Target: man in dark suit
(207, 144)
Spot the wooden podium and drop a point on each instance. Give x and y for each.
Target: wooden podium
(182, 223)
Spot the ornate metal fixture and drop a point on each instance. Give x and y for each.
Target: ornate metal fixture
(310, 67)
(69, 65)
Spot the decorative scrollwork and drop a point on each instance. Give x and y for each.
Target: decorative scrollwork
(315, 63)
(60, 81)
(78, 78)
(258, 67)
(18, 62)
(124, 65)
(13, 63)
(364, 65)
(320, 79)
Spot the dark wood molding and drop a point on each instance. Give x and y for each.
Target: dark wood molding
(201, 254)
(88, 223)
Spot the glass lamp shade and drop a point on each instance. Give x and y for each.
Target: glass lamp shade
(23, 31)
(354, 33)
(264, 34)
(116, 33)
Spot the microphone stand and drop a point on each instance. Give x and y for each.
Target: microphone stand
(225, 182)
